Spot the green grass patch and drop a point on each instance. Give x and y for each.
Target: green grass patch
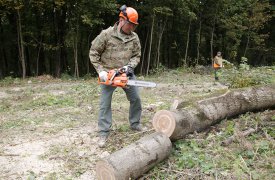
(239, 78)
(51, 100)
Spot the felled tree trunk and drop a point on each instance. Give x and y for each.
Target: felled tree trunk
(180, 121)
(135, 159)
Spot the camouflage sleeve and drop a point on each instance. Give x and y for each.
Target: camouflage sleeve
(135, 59)
(97, 47)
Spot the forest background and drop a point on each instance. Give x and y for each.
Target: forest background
(53, 37)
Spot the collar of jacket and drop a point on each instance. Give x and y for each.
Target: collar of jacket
(125, 38)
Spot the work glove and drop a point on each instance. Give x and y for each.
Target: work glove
(103, 76)
(128, 70)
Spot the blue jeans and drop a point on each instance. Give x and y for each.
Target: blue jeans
(105, 111)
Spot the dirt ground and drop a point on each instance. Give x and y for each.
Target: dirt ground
(49, 128)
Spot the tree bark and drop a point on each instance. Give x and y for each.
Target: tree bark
(211, 43)
(88, 59)
(135, 159)
(246, 46)
(3, 55)
(178, 122)
(159, 43)
(212, 36)
(150, 46)
(21, 45)
(187, 43)
(198, 46)
(143, 54)
(75, 46)
(37, 59)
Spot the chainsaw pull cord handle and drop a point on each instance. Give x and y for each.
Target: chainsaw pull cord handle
(113, 75)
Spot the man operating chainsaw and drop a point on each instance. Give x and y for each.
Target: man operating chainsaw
(117, 47)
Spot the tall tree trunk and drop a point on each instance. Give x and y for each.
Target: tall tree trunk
(21, 45)
(246, 46)
(60, 28)
(55, 64)
(211, 43)
(198, 46)
(212, 36)
(76, 70)
(88, 59)
(3, 56)
(150, 46)
(187, 43)
(37, 59)
(144, 51)
(159, 42)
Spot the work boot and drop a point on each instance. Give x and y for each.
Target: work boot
(102, 141)
(139, 128)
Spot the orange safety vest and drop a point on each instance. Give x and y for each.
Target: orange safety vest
(216, 66)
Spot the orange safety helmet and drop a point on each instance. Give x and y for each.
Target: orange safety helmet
(128, 13)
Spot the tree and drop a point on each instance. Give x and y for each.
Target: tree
(53, 37)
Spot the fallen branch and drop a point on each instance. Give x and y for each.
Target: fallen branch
(232, 138)
(9, 155)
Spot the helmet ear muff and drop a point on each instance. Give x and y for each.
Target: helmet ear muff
(123, 10)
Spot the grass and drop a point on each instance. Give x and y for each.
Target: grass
(43, 107)
(202, 156)
(239, 78)
(75, 162)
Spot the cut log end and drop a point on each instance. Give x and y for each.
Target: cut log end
(136, 159)
(165, 122)
(104, 171)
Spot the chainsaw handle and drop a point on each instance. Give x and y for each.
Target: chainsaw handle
(115, 78)
(110, 76)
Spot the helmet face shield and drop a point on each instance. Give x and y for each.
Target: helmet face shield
(132, 25)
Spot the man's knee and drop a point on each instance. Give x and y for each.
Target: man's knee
(135, 99)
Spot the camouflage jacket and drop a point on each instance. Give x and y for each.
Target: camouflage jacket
(112, 50)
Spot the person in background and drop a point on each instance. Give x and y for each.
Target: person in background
(217, 65)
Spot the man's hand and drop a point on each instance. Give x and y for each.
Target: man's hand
(128, 70)
(103, 76)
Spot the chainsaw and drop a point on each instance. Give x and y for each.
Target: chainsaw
(118, 78)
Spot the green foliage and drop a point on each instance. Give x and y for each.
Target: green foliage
(66, 76)
(7, 80)
(31, 176)
(239, 80)
(87, 76)
(229, 130)
(192, 155)
(227, 64)
(246, 76)
(50, 100)
(243, 65)
(56, 32)
(123, 128)
(159, 70)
